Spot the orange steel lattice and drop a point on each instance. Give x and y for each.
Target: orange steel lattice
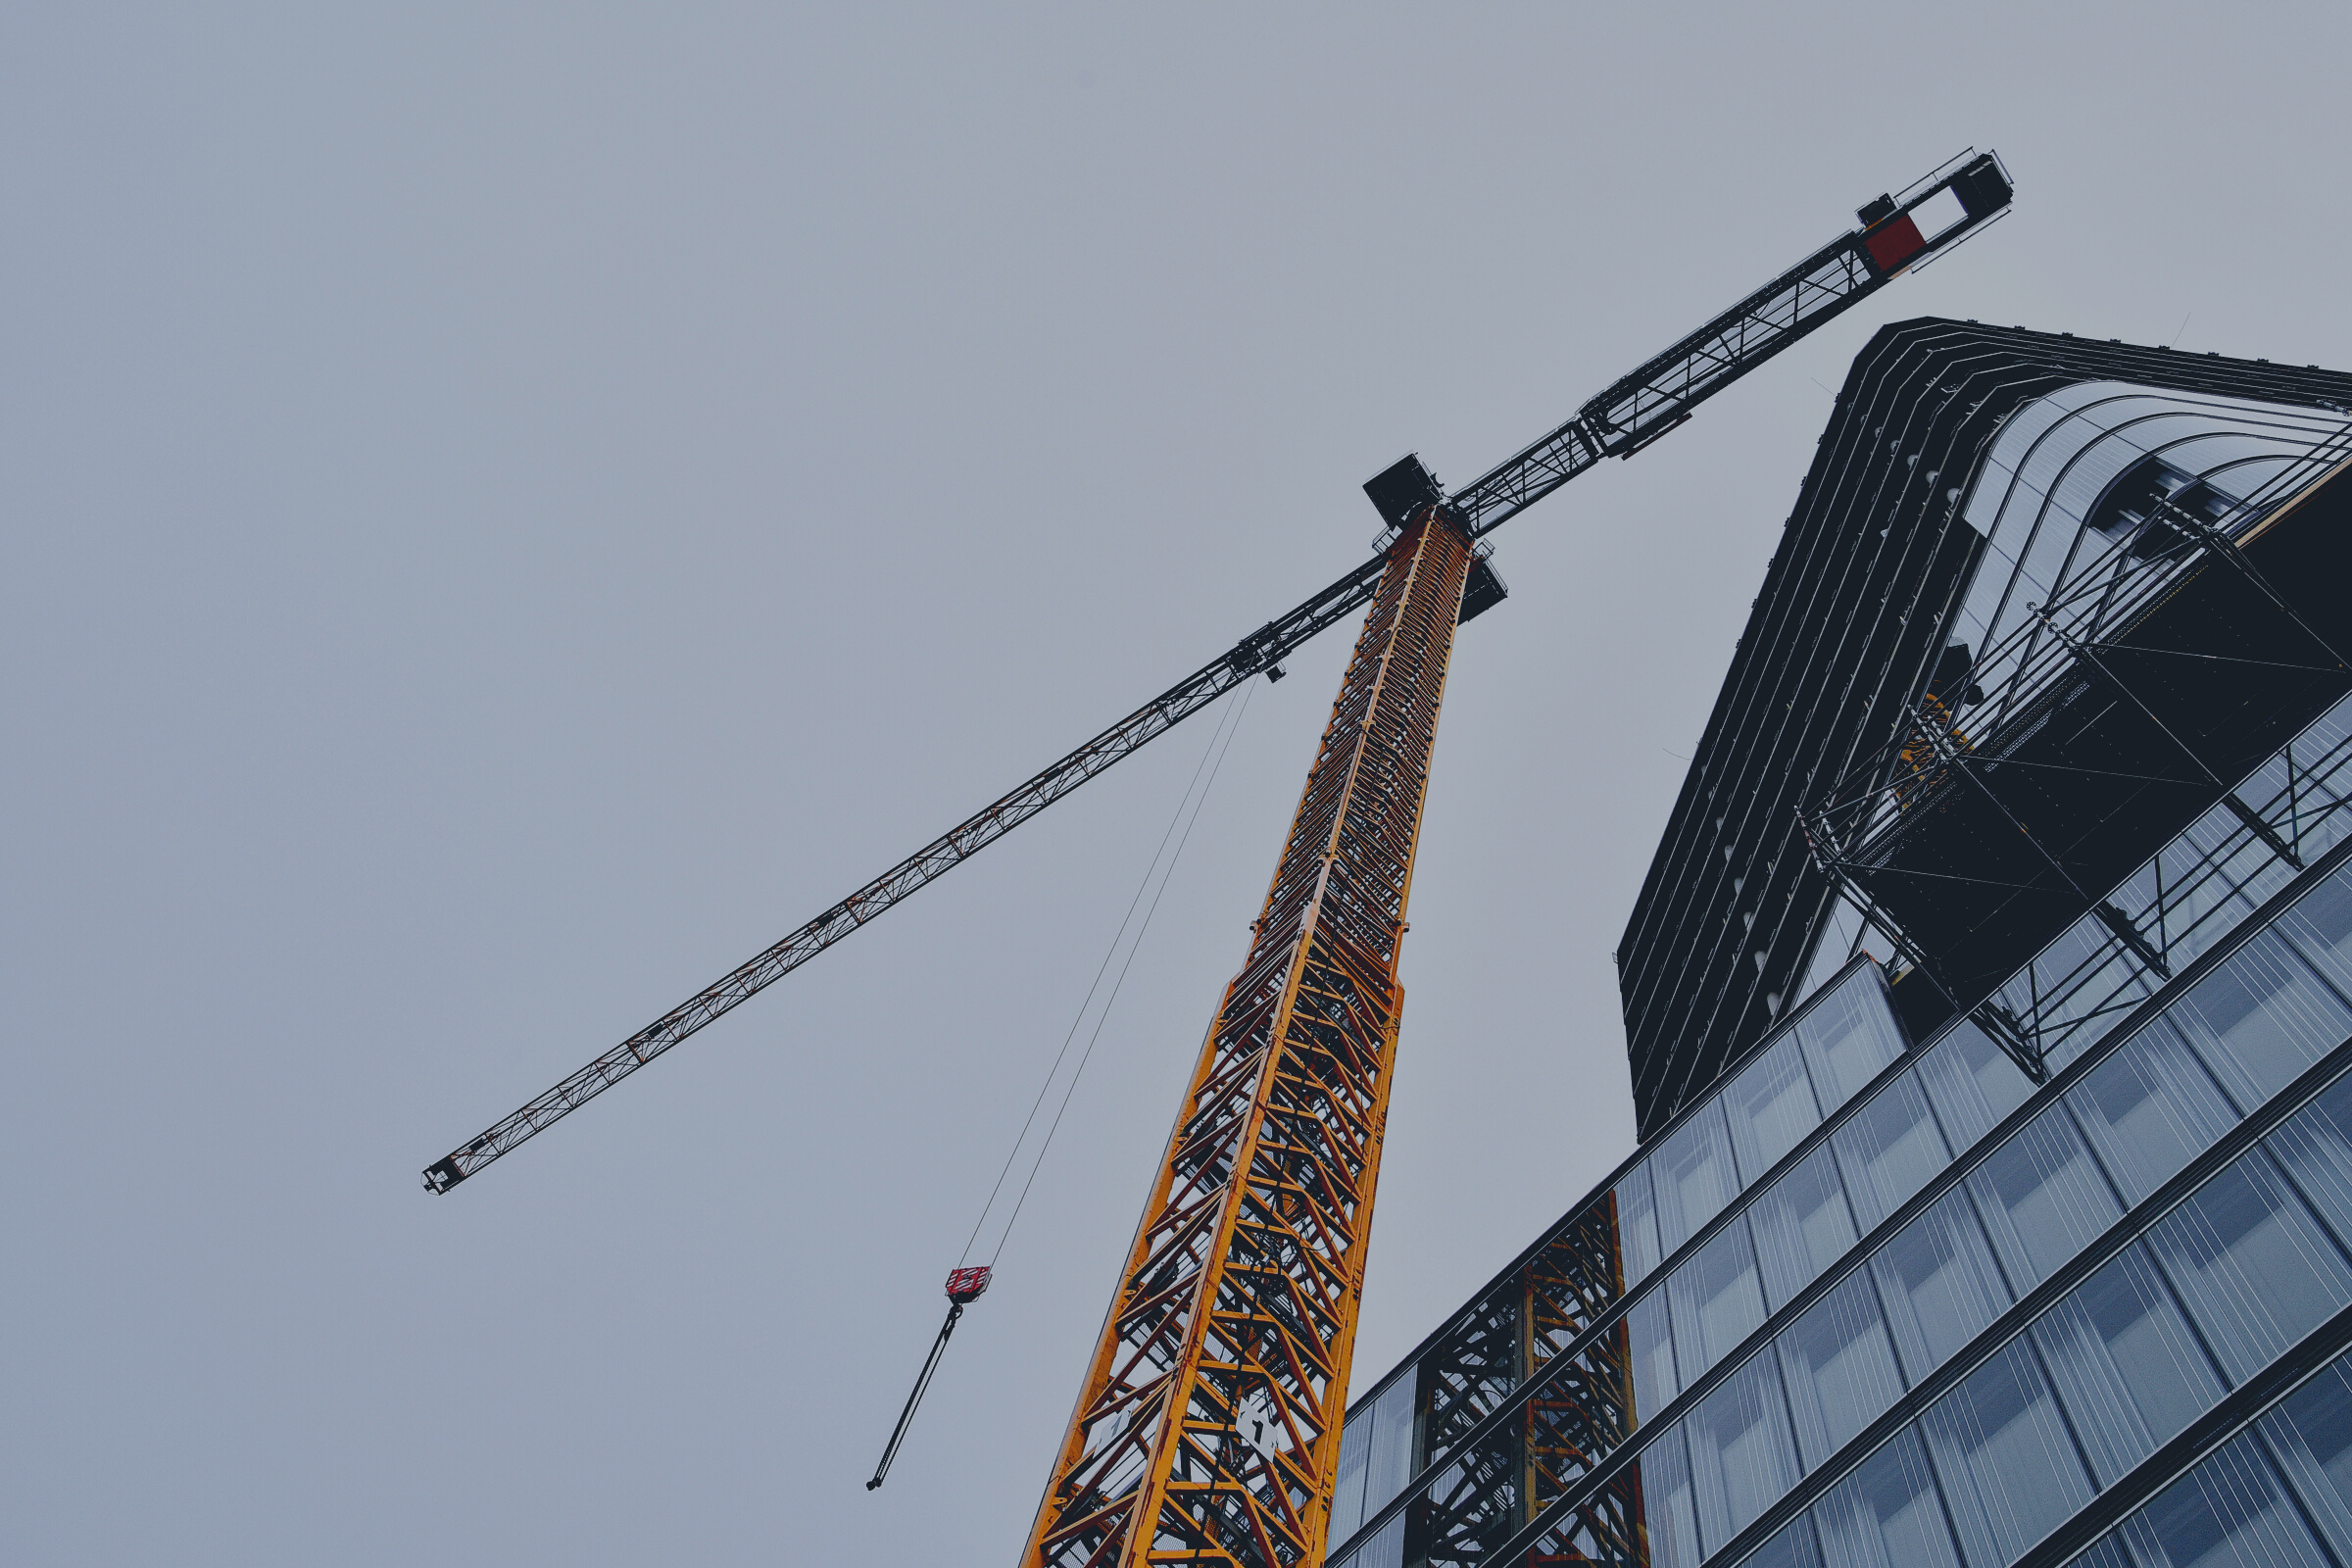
(1209, 1427)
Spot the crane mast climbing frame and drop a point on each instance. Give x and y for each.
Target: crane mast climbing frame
(1209, 1427)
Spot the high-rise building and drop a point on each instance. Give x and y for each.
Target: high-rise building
(1989, 1010)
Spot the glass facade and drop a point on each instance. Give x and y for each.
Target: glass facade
(1866, 1300)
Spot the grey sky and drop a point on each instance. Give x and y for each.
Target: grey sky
(508, 511)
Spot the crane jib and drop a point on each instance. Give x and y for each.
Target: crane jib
(1935, 215)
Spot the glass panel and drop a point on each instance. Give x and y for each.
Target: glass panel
(1850, 1038)
(2041, 1197)
(2149, 1109)
(2312, 1436)
(1637, 1226)
(2251, 1264)
(1801, 1226)
(2008, 1468)
(1886, 1514)
(1771, 1108)
(1715, 1300)
(2105, 1552)
(1741, 1459)
(2229, 1512)
(1839, 1366)
(1939, 1284)
(1348, 1497)
(2261, 1018)
(2315, 1144)
(1666, 1504)
(2319, 925)
(2127, 1364)
(1693, 1174)
(1389, 1459)
(1972, 1083)
(1384, 1551)
(1792, 1546)
(1652, 1348)
(1889, 1150)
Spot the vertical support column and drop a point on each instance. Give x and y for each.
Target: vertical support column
(1207, 1430)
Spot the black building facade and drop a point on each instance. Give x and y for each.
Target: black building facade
(1989, 1007)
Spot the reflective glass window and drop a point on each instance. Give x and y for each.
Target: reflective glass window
(1741, 1461)
(1886, 1513)
(2008, 1468)
(2315, 1144)
(2251, 1264)
(1839, 1365)
(1348, 1495)
(1652, 1348)
(2311, 1434)
(2229, 1512)
(1771, 1108)
(2127, 1366)
(1790, 1546)
(1939, 1284)
(2041, 1197)
(1389, 1459)
(1693, 1175)
(2261, 1018)
(1637, 1226)
(2149, 1109)
(2105, 1552)
(1666, 1504)
(1801, 1226)
(1888, 1149)
(1715, 1300)
(2319, 925)
(1850, 1038)
(1972, 1083)
(1385, 1549)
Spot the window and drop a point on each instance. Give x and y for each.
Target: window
(1888, 1151)
(2042, 1198)
(1741, 1461)
(1665, 1472)
(1693, 1175)
(1715, 1300)
(1886, 1514)
(2316, 1146)
(1801, 1226)
(1792, 1546)
(1388, 1456)
(1972, 1083)
(1651, 1348)
(1347, 1493)
(2320, 925)
(1838, 1364)
(2149, 1109)
(2229, 1512)
(2251, 1264)
(1850, 1038)
(2128, 1368)
(1637, 1226)
(2312, 1436)
(1939, 1284)
(2261, 1018)
(1771, 1108)
(2007, 1466)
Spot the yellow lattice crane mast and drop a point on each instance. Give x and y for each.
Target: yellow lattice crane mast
(1209, 1427)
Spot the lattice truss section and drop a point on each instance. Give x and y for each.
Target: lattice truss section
(1499, 1460)
(1207, 1430)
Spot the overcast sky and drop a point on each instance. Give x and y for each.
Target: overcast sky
(509, 511)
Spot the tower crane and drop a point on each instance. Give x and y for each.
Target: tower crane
(1207, 1428)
